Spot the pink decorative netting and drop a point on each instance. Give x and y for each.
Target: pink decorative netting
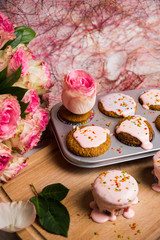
(116, 41)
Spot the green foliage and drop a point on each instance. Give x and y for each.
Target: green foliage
(56, 191)
(23, 35)
(53, 215)
(6, 87)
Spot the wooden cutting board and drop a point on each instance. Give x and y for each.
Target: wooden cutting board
(48, 166)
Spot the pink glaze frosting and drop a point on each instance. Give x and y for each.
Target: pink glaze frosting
(151, 97)
(91, 136)
(113, 192)
(121, 104)
(156, 164)
(136, 127)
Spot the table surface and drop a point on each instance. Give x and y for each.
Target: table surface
(47, 166)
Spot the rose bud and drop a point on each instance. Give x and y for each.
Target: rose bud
(79, 91)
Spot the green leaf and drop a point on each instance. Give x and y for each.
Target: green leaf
(15, 91)
(27, 33)
(3, 74)
(41, 205)
(23, 35)
(23, 108)
(55, 191)
(57, 219)
(9, 81)
(19, 93)
(53, 215)
(16, 41)
(42, 100)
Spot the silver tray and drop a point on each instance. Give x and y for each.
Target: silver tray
(118, 152)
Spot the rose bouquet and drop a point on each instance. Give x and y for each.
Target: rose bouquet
(24, 84)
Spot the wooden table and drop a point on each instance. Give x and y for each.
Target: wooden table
(48, 166)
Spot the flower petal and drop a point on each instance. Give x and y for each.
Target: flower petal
(15, 216)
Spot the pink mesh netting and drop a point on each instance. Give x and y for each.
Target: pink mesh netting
(116, 41)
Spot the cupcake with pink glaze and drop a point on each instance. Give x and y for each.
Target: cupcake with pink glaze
(78, 96)
(88, 141)
(114, 193)
(151, 99)
(135, 131)
(117, 105)
(156, 171)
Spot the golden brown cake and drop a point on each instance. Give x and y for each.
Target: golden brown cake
(117, 105)
(157, 122)
(88, 141)
(151, 99)
(66, 115)
(135, 131)
(114, 193)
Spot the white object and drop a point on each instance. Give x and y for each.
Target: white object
(15, 216)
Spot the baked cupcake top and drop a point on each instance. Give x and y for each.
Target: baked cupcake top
(115, 187)
(136, 126)
(150, 98)
(121, 104)
(91, 136)
(156, 171)
(88, 141)
(157, 122)
(156, 161)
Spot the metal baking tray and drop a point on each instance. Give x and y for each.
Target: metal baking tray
(118, 152)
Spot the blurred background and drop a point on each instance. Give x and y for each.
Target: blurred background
(117, 42)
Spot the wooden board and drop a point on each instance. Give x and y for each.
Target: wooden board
(48, 166)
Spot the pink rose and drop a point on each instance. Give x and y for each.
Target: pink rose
(6, 30)
(5, 156)
(35, 73)
(38, 77)
(27, 136)
(13, 167)
(47, 84)
(9, 115)
(33, 99)
(41, 118)
(79, 91)
(5, 56)
(19, 58)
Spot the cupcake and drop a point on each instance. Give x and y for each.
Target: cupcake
(69, 117)
(157, 122)
(151, 99)
(78, 96)
(117, 105)
(156, 171)
(114, 193)
(135, 131)
(88, 141)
